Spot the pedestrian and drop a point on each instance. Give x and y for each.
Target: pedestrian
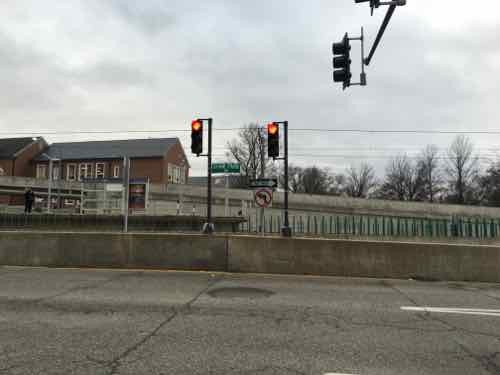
(29, 198)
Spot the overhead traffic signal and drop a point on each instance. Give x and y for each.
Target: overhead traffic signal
(197, 137)
(273, 140)
(342, 62)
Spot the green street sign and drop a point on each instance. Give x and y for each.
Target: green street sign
(225, 168)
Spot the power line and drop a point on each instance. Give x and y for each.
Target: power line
(310, 130)
(75, 132)
(377, 131)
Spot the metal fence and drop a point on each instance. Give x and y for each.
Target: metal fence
(378, 226)
(114, 223)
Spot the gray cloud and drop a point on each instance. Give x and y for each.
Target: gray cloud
(113, 74)
(151, 17)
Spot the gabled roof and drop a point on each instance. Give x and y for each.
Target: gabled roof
(9, 147)
(133, 148)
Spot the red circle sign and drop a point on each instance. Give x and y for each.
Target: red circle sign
(263, 197)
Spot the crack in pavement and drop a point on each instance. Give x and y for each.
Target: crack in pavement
(275, 370)
(88, 286)
(487, 361)
(115, 363)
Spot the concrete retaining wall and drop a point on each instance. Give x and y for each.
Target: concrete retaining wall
(253, 254)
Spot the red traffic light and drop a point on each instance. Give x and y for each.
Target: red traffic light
(272, 128)
(196, 125)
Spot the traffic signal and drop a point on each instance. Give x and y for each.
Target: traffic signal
(273, 140)
(342, 61)
(197, 137)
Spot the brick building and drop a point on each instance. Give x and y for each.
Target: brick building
(16, 156)
(162, 161)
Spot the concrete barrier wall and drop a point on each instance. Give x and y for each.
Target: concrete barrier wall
(184, 252)
(253, 254)
(365, 259)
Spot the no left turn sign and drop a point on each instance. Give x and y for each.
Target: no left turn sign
(263, 197)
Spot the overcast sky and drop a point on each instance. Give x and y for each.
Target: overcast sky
(155, 65)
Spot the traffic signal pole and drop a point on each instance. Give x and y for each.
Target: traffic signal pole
(197, 148)
(286, 231)
(380, 34)
(208, 228)
(274, 152)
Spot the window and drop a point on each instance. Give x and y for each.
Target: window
(71, 172)
(55, 172)
(100, 170)
(182, 177)
(41, 171)
(85, 171)
(116, 171)
(176, 175)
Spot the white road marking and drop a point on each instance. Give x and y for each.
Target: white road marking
(336, 373)
(453, 310)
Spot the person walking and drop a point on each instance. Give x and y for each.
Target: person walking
(29, 198)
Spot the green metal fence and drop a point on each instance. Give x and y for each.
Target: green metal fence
(379, 226)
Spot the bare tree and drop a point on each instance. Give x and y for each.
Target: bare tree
(402, 181)
(250, 151)
(309, 180)
(430, 172)
(462, 169)
(338, 185)
(490, 185)
(316, 180)
(295, 175)
(360, 182)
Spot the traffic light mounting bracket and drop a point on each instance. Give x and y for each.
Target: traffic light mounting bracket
(377, 3)
(362, 80)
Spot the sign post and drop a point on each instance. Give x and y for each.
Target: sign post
(226, 168)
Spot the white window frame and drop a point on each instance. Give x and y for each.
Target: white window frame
(56, 172)
(102, 174)
(75, 172)
(170, 177)
(182, 176)
(39, 169)
(116, 171)
(86, 168)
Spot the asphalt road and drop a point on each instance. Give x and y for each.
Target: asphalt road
(142, 322)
